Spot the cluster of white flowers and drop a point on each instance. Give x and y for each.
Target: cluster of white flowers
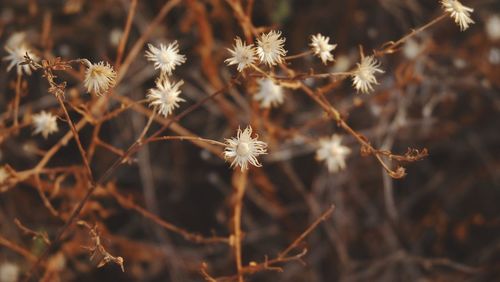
(17, 48)
(166, 95)
(459, 12)
(332, 153)
(269, 51)
(44, 123)
(363, 77)
(244, 149)
(99, 78)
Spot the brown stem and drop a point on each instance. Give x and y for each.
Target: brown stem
(126, 31)
(239, 183)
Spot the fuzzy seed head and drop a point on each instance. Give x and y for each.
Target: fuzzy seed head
(321, 48)
(243, 149)
(44, 123)
(165, 96)
(270, 94)
(165, 58)
(99, 78)
(332, 153)
(17, 56)
(459, 12)
(270, 48)
(242, 55)
(363, 77)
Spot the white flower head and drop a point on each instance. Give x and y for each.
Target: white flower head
(270, 48)
(493, 27)
(459, 12)
(332, 153)
(99, 78)
(17, 57)
(244, 149)
(322, 48)
(242, 55)
(44, 123)
(165, 95)
(165, 58)
(363, 77)
(270, 94)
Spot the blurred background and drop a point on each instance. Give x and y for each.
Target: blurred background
(440, 91)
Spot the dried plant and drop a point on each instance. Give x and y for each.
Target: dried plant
(289, 130)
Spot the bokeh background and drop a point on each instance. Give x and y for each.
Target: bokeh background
(440, 91)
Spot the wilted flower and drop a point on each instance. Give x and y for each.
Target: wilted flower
(322, 48)
(165, 96)
(364, 76)
(165, 58)
(244, 149)
(99, 78)
(270, 94)
(270, 48)
(332, 152)
(44, 123)
(242, 55)
(459, 12)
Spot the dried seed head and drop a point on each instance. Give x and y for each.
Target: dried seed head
(270, 48)
(244, 149)
(17, 48)
(44, 123)
(165, 58)
(332, 153)
(165, 96)
(322, 48)
(363, 77)
(459, 12)
(270, 94)
(99, 78)
(242, 55)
